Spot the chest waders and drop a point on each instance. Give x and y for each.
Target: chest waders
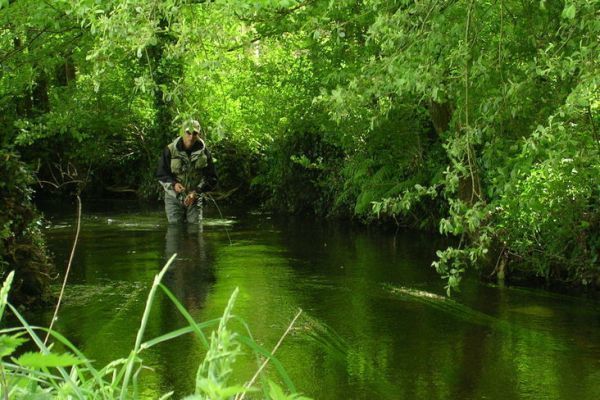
(187, 170)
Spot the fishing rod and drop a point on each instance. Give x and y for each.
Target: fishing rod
(200, 204)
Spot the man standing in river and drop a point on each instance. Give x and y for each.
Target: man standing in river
(185, 171)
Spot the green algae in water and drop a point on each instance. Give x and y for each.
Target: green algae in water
(81, 295)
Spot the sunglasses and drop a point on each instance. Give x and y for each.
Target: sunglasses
(193, 133)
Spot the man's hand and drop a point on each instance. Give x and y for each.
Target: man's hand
(190, 199)
(178, 187)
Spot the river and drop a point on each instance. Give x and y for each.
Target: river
(376, 323)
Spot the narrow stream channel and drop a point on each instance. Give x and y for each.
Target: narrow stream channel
(376, 323)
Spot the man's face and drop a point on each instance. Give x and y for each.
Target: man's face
(192, 135)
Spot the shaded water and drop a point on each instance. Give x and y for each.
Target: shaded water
(376, 323)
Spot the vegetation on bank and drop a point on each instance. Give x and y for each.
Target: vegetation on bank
(477, 118)
(22, 246)
(68, 374)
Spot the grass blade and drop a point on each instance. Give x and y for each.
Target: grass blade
(266, 353)
(44, 349)
(179, 332)
(142, 329)
(264, 364)
(193, 324)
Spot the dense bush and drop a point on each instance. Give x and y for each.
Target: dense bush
(22, 246)
(549, 216)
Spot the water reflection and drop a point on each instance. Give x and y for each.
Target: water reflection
(191, 275)
(190, 279)
(376, 323)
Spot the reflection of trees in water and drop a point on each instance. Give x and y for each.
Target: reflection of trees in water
(411, 348)
(190, 278)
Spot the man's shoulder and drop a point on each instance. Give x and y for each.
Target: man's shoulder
(175, 145)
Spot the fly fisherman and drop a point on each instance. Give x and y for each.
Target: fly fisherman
(185, 171)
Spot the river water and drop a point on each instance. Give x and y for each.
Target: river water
(375, 323)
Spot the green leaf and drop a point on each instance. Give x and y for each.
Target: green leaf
(569, 11)
(39, 360)
(585, 224)
(8, 344)
(276, 392)
(4, 291)
(193, 324)
(274, 361)
(230, 391)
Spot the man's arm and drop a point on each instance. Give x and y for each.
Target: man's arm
(165, 175)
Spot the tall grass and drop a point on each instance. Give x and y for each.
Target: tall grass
(47, 374)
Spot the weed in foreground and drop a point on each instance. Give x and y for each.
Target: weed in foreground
(47, 374)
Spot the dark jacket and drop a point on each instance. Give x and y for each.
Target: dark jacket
(209, 174)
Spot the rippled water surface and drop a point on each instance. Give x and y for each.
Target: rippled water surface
(376, 323)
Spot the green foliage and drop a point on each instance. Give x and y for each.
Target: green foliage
(472, 62)
(214, 372)
(450, 113)
(48, 374)
(237, 166)
(277, 393)
(548, 216)
(51, 360)
(22, 247)
(8, 344)
(292, 175)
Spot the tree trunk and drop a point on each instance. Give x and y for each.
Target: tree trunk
(66, 72)
(441, 115)
(164, 72)
(469, 188)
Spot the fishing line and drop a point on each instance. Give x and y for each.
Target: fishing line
(221, 214)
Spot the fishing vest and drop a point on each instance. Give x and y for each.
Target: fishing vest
(188, 169)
